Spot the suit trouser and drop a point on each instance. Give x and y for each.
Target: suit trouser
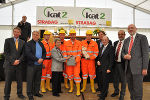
(98, 77)
(56, 82)
(119, 73)
(135, 85)
(33, 79)
(10, 73)
(104, 81)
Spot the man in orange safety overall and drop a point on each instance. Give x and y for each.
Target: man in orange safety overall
(89, 53)
(73, 48)
(63, 49)
(46, 70)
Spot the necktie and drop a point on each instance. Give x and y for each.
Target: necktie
(16, 44)
(118, 50)
(103, 50)
(131, 44)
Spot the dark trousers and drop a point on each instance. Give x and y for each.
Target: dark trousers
(98, 77)
(10, 73)
(33, 79)
(119, 74)
(56, 82)
(104, 82)
(135, 85)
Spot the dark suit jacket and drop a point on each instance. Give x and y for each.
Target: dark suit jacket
(107, 58)
(139, 54)
(25, 31)
(99, 48)
(11, 54)
(30, 51)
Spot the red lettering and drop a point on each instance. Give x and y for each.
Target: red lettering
(47, 22)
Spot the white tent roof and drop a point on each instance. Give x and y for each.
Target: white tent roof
(142, 5)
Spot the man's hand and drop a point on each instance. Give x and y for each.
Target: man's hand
(69, 57)
(144, 72)
(28, 39)
(108, 71)
(127, 57)
(98, 63)
(16, 62)
(40, 61)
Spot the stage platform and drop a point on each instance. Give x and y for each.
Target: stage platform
(87, 95)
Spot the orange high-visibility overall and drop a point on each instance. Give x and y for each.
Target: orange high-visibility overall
(75, 50)
(63, 49)
(88, 65)
(46, 72)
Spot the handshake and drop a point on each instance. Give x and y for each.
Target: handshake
(69, 57)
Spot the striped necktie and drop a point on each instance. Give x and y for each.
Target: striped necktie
(118, 50)
(130, 46)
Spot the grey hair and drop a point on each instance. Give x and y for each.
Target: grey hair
(57, 39)
(36, 32)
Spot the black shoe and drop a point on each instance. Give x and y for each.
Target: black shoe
(121, 97)
(97, 89)
(6, 98)
(114, 94)
(99, 95)
(60, 92)
(101, 98)
(31, 98)
(56, 94)
(38, 95)
(21, 96)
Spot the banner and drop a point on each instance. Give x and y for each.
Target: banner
(76, 16)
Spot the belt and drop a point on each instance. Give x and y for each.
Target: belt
(119, 62)
(47, 58)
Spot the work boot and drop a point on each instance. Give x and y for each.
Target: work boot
(92, 85)
(71, 86)
(48, 85)
(84, 85)
(43, 90)
(66, 83)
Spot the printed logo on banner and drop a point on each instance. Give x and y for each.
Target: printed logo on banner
(88, 13)
(50, 12)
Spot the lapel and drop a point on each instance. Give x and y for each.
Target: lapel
(115, 44)
(127, 43)
(106, 49)
(19, 45)
(13, 44)
(59, 52)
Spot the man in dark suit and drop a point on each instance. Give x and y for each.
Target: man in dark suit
(101, 34)
(135, 53)
(105, 63)
(35, 54)
(13, 50)
(25, 29)
(118, 68)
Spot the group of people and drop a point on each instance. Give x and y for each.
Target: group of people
(126, 59)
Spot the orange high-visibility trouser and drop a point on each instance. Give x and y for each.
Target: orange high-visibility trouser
(73, 72)
(88, 68)
(46, 72)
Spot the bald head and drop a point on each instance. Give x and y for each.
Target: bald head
(105, 40)
(24, 18)
(132, 29)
